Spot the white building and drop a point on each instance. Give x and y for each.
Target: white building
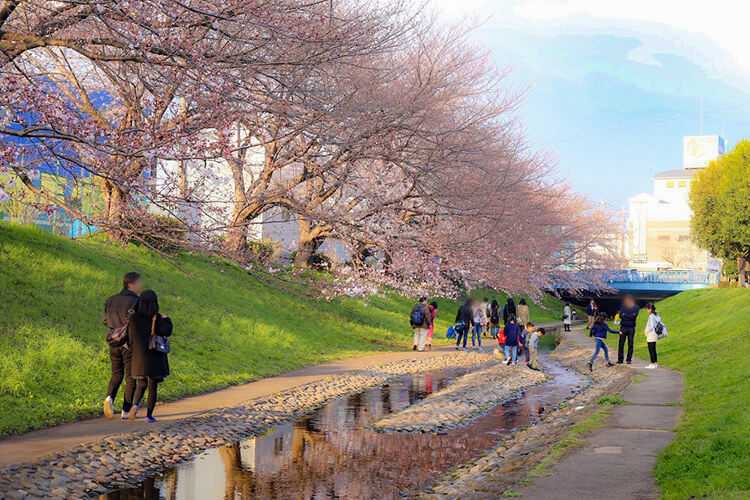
(658, 228)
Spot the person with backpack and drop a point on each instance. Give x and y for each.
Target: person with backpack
(494, 318)
(655, 330)
(148, 332)
(485, 305)
(523, 314)
(117, 312)
(420, 319)
(509, 310)
(431, 330)
(464, 323)
(628, 317)
(599, 331)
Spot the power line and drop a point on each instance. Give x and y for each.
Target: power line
(645, 124)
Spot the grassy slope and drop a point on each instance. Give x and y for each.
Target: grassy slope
(709, 341)
(229, 328)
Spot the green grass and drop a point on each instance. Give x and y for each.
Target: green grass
(229, 328)
(709, 342)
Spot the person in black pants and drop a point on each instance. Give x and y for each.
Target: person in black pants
(117, 311)
(464, 323)
(150, 367)
(628, 316)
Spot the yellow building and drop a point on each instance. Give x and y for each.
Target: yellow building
(658, 227)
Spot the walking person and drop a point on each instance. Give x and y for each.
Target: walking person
(479, 321)
(591, 311)
(567, 317)
(464, 323)
(420, 319)
(150, 366)
(599, 331)
(628, 316)
(485, 305)
(509, 310)
(494, 319)
(523, 313)
(534, 336)
(512, 334)
(431, 330)
(117, 312)
(651, 333)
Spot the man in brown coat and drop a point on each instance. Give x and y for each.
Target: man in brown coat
(420, 320)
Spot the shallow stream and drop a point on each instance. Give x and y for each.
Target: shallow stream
(330, 453)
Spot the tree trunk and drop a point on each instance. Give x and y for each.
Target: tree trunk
(742, 265)
(237, 239)
(114, 208)
(306, 246)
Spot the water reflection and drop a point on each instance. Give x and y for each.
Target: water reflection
(328, 455)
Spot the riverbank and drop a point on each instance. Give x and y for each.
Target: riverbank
(229, 327)
(708, 343)
(125, 460)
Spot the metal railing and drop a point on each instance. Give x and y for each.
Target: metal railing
(672, 276)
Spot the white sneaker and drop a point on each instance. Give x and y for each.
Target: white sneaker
(125, 415)
(109, 411)
(652, 366)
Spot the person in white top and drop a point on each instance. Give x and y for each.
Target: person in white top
(567, 317)
(651, 336)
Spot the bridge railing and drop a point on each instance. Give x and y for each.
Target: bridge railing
(632, 276)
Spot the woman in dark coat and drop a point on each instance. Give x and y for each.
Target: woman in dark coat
(148, 367)
(509, 310)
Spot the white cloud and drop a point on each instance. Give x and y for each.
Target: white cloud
(714, 34)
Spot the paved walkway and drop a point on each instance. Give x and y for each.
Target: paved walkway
(28, 446)
(617, 461)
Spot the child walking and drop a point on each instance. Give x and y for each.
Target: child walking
(599, 331)
(534, 345)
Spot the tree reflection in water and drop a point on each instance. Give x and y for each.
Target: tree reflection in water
(331, 454)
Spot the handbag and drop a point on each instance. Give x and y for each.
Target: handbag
(157, 342)
(117, 337)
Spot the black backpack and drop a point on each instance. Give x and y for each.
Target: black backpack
(495, 316)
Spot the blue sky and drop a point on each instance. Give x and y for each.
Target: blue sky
(594, 66)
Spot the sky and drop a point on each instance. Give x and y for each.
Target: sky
(614, 85)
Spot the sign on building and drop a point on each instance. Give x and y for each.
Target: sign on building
(699, 150)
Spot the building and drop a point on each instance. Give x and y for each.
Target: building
(658, 227)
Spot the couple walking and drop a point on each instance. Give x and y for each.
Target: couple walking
(138, 347)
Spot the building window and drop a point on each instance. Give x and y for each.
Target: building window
(682, 184)
(663, 237)
(670, 184)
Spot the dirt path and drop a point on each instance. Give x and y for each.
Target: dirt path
(31, 445)
(616, 462)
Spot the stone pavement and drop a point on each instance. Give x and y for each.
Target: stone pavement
(616, 462)
(34, 444)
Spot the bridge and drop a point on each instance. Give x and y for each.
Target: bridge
(663, 282)
(645, 286)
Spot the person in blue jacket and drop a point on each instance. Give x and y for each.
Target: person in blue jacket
(512, 336)
(599, 332)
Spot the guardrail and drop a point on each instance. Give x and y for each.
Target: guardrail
(677, 277)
